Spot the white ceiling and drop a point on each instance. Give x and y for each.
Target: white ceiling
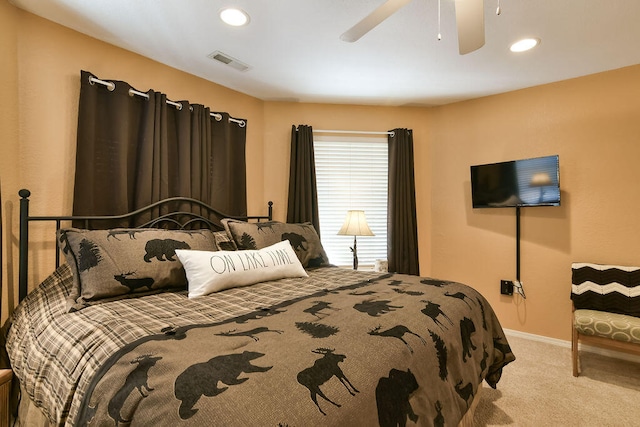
(295, 54)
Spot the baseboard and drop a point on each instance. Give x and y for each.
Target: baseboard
(567, 344)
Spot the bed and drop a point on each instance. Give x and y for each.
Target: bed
(137, 343)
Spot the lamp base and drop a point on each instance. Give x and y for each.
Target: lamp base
(354, 249)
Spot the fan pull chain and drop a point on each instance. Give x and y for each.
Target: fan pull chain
(439, 33)
(498, 11)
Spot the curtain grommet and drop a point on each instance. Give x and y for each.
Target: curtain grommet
(111, 86)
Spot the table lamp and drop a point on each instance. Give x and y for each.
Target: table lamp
(355, 225)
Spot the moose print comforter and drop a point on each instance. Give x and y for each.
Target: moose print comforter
(338, 348)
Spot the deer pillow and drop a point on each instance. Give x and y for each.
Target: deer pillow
(117, 263)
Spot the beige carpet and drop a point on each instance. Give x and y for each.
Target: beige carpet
(538, 389)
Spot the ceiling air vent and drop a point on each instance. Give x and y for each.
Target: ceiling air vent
(228, 60)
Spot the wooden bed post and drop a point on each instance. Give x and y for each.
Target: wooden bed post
(24, 243)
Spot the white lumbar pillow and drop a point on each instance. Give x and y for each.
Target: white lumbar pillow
(209, 272)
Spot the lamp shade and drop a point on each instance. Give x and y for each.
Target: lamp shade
(355, 225)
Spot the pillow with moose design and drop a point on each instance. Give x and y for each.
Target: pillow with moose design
(257, 235)
(117, 263)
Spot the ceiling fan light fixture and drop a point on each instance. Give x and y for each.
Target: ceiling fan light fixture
(524, 45)
(234, 17)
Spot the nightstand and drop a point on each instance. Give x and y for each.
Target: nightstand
(5, 391)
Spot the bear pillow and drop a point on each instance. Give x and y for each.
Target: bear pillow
(116, 263)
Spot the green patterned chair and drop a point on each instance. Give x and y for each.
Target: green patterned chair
(606, 308)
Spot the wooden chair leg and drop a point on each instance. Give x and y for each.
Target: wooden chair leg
(574, 352)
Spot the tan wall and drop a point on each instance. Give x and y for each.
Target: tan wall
(9, 150)
(593, 123)
(40, 112)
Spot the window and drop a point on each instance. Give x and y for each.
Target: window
(352, 173)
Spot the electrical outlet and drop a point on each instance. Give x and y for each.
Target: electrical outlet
(506, 287)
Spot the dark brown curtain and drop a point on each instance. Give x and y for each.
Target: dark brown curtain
(402, 229)
(133, 151)
(303, 194)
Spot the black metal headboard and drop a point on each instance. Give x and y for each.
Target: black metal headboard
(167, 213)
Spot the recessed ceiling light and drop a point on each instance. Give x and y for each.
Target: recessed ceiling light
(234, 17)
(524, 45)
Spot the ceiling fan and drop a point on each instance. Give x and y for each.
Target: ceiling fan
(469, 20)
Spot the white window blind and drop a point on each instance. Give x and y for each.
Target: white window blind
(352, 173)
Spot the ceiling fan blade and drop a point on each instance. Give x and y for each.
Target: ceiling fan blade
(470, 23)
(370, 21)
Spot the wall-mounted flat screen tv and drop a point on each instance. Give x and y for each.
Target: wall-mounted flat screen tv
(528, 182)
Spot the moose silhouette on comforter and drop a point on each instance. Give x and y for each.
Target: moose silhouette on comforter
(391, 350)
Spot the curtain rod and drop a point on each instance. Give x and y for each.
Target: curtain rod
(365, 132)
(111, 87)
